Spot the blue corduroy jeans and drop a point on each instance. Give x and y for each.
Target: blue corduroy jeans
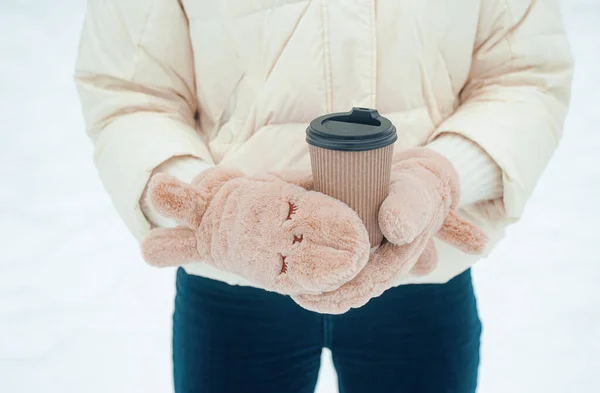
(412, 339)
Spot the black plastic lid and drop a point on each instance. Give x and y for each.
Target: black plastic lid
(358, 130)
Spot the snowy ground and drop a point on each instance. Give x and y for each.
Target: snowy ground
(80, 312)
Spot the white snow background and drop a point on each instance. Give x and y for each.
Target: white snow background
(80, 311)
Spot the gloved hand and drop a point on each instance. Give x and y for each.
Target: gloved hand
(424, 191)
(272, 232)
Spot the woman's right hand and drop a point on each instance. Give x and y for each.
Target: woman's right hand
(273, 233)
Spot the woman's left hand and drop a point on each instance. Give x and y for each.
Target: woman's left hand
(424, 191)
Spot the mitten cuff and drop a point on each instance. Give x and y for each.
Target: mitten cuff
(185, 168)
(480, 177)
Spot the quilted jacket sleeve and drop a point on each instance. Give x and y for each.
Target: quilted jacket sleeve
(515, 101)
(135, 78)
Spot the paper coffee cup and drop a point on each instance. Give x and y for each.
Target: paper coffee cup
(351, 157)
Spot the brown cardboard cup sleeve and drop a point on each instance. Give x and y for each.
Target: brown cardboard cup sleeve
(351, 158)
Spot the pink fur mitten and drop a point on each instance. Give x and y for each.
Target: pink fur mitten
(424, 191)
(272, 232)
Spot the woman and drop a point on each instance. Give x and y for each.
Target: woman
(478, 90)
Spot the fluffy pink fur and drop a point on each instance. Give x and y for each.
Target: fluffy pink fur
(385, 265)
(427, 261)
(424, 191)
(166, 247)
(463, 235)
(274, 233)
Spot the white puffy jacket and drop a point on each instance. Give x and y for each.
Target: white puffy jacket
(235, 82)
